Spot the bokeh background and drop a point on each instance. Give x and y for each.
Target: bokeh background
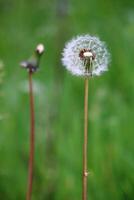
(59, 101)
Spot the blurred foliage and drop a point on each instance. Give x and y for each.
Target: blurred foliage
(59, 101)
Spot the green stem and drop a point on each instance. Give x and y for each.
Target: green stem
(85, 172)
(32, 136)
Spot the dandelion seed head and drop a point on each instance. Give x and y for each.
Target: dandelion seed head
(86, 56)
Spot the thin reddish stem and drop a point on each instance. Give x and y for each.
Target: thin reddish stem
(32, 135)
(85, 172)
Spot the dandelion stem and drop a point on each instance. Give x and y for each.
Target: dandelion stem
(85, 172)
(32, 135)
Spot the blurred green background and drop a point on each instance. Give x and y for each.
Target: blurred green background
(59, 101)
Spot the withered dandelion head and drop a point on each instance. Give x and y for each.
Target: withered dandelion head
(86, 56)
(32, 64)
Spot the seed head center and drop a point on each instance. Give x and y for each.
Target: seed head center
(86, 54)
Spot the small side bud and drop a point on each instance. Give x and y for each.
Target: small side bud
(40, 48)
(86, 174)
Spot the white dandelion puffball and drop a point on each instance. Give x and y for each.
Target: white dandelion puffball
(86, 56)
